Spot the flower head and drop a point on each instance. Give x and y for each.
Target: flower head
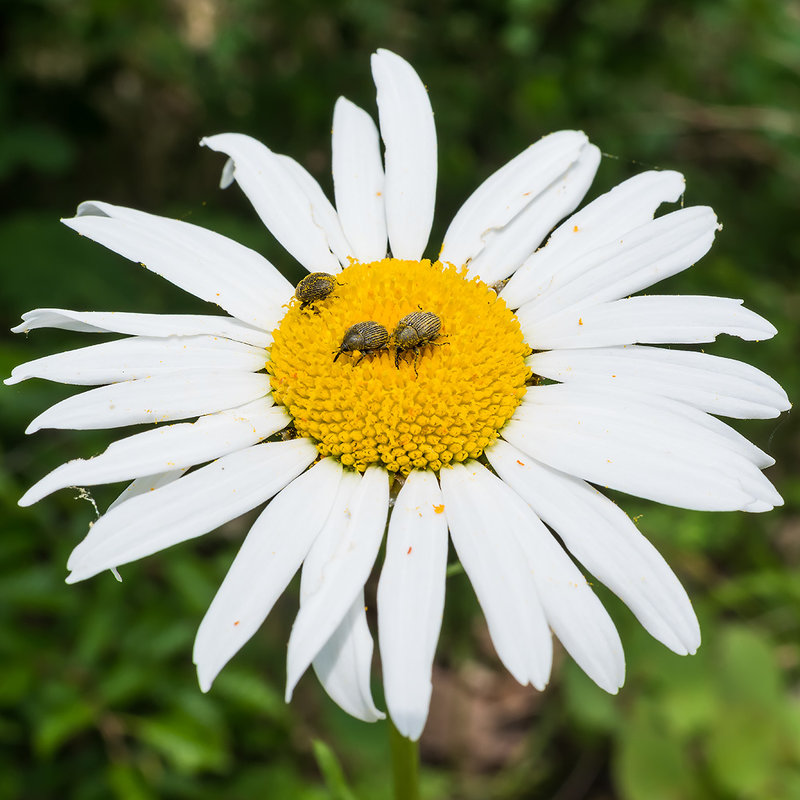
(480, 394)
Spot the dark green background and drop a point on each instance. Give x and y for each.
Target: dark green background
(107, 99)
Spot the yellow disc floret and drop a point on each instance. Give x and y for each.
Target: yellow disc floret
(444, 401)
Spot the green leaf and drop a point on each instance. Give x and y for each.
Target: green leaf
(650, 765)
(332, 772)
(690, 700)
(61, 724)
(744, 752)
(748, 670)
(127, 784)
(189, 747)
(250, 692)
(587, 704)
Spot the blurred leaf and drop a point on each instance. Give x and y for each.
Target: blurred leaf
(743, 763)
(274, 780)
(332, 772)
(748, 673)
(61, 723)
(188, 746)
(15, 682)
(689, 698)
(127, 784)
(587, 704)
(124, 683)
(251, 693)
(650, 765)
(38, 147)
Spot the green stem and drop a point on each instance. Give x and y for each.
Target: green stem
(405, 765)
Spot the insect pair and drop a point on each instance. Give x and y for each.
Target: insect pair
(413, 332)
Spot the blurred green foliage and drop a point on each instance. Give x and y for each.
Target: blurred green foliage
(108, 99)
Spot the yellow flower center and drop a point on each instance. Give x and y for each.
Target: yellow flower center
(443, 402)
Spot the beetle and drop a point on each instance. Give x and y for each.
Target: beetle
(315, 286)
(413, 332)
(367, 337)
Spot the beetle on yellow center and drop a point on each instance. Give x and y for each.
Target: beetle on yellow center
(367, 337)
(315, 286)
(413, 332)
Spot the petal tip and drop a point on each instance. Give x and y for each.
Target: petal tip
(204, 679)
(28, 499)
(408, 724)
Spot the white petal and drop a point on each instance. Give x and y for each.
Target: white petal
(159, 399)
(639, 447)
(322, 212)
(638, 259)
(655, 319)
(504, 194)
(166, 447)
(611, 400)
(572, 609)
(610, 216)
(147, 483)
(268, 559)
(507, 247)
(602, 537)
(330, 587)
(141, 357)
(663, 413)
(480, 524)
(358, 181)
(711, 383)
(278, 199)
(189, 507)
(411, 600)
(409, 138)
(331, 536)
(142, 324)
(344, 664)
(206, 264)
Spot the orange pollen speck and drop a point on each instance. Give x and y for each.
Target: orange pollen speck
(439, 509)
(417, 409)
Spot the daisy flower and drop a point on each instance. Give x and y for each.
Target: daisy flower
(483, 395)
